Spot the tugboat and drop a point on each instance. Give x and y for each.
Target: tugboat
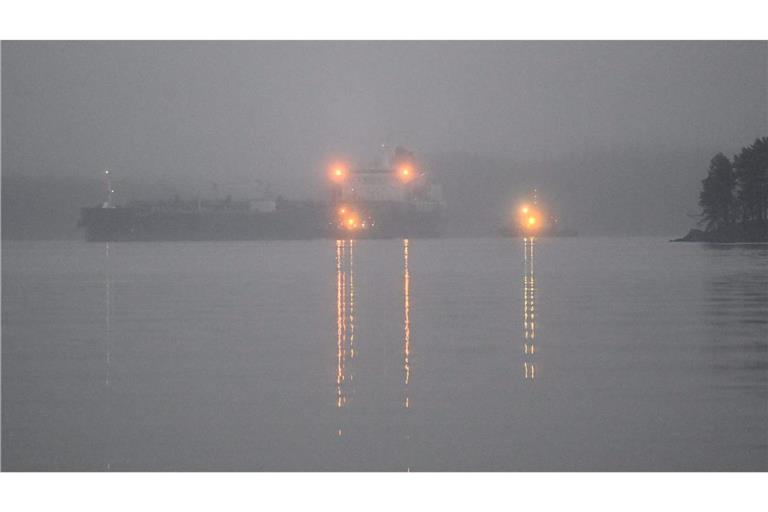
(530, 219)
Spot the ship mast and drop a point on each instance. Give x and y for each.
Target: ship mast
(385, 154)
(110, 191)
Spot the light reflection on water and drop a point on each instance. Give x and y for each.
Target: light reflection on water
(406, 322)
(108, 346)
(221, 357)
(345, 321)
(529, 310)
(108, 312)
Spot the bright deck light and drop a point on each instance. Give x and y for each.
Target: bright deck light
(338, 173)
(406, 174)
(529, 218)
(351, 223)
(351, 220)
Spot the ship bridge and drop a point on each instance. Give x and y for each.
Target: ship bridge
(395, 185)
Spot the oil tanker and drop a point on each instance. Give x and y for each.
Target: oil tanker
(391, 199)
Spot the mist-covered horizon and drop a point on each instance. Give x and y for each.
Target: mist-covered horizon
(202, 271)
(617, 135)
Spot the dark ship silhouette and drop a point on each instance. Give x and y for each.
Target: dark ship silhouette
(531, 220)
(393, 199)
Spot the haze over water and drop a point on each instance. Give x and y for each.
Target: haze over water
(452, 354)
(616, 135)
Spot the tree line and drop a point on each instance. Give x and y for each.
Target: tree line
(735, 192)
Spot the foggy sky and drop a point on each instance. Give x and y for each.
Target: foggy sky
(230, 111)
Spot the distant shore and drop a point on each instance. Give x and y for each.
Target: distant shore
(728, 234)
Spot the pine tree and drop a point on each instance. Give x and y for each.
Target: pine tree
(716, 197)
(751, 169)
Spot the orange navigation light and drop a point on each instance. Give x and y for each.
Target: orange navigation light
(350, 221)
(338, 173)
(342, 210)
(405, 174)
(529, 218)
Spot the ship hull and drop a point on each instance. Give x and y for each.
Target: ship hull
(546, 233)
(136, 224)
(129, 224)
(394, 220)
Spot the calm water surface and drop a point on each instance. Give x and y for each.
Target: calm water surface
(568, 354)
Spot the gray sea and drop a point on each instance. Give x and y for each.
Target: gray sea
(390, 355)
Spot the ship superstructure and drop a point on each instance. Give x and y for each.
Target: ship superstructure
(392, 199)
